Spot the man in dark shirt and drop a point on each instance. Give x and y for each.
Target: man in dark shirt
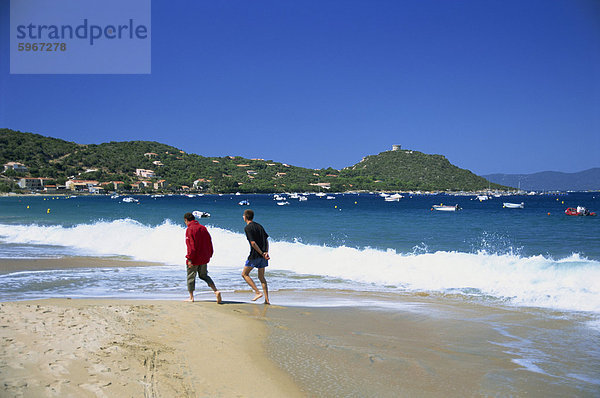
(199, 251)
(259, 255)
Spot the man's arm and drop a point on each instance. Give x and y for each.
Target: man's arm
(264, 254)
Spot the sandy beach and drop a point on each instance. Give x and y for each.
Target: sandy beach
(415, 345)
(118, 348)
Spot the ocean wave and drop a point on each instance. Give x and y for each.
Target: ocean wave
(570, 283)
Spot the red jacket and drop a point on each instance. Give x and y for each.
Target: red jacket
(199, 244)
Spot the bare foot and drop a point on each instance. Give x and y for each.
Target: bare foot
(258, 295)
(218, 294)
(190, 300)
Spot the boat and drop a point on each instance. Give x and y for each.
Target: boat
(129, 199)
(513, 205)
(481, 198)
(114, 196)
(302, 198)
(320, 194)
(278, 197)
(393, 198)
(282, 203)
(330, 197)
(200, 214)
(244, 203)
(579, 211)
(446, 207)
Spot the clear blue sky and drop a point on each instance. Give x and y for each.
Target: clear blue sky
(496, 86)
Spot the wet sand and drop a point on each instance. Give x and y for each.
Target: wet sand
(36, 264)
(435, 347)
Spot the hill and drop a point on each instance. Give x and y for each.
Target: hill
(587, 180)
(411, 170)
(118, 161)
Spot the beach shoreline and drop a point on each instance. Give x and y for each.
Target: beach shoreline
(427, 346)
(9, 265)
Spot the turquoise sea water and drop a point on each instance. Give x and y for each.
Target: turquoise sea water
(536, 256)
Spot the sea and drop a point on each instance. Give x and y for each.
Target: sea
(352, 249)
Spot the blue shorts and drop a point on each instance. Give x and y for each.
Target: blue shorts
(257, 263)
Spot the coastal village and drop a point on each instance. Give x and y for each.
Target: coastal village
(145, 181)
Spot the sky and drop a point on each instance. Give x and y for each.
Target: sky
(496, 86)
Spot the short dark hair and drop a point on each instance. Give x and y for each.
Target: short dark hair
(189, 216)
(249, 214)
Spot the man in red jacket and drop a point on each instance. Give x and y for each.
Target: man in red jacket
(199, 252)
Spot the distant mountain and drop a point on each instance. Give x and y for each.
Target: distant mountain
(587, 180)
(173, 169)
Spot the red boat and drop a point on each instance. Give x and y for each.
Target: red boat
(579, 211)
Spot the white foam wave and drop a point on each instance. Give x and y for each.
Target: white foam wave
(572, 283)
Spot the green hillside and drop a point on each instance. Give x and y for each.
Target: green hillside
(411, 170)
(117, 161)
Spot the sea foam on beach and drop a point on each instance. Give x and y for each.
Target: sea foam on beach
(571, 283)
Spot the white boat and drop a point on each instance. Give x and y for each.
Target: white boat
(330, 197)
(481, 198)
(114, 196)
(282, 203)
(129, 199)
(200, 214)
(445, 207)
(320, 194)
(513, 205)
(393, 198)
(302, 198)
(244, 203)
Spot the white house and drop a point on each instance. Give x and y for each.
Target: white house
(16, 166)
(143, 173)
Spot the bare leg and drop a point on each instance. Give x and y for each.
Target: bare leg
(217, 292)
(249, 281)
(263, 282)
(191, 299)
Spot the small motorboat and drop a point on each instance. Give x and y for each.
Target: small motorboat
(445, 207)
(200, 214)
(579, 211)
(513, 205)
(393, 198)
(129, 199)
(244, 203)
(283, 203)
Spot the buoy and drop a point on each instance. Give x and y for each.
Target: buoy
(355, 203)
(335, 207)
(548, 213)
(28, 206)
(48, 211)
(563, 202)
